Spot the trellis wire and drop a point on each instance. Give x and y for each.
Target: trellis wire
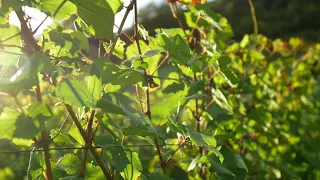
(74, 148)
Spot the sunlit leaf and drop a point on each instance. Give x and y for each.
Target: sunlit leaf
(69, 163)
(58, 9)
(73, 92)
(97, 16)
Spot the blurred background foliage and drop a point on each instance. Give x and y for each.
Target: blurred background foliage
(276, 19)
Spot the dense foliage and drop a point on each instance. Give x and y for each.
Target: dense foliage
(188, 103)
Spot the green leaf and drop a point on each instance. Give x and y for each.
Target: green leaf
(25, 128)
(208, 18)
(232, 159)
(115, 103)
(171, 31)
(113, 74)
(245, 41)
(224, 61)
(73, 92)
(6, 6)
(24, 78)
(210, 140)
(256, 55)
(10, 45)
(97, 16)
(69, 163)
(75, 133)
(42, 62)
(195, 88)
(119, 49)
(35, 170)
(295, 42)
(193, 163)
(177, 127)
(120, 104)
(137, 131)
(145, 55)
(229, 75)
(115, 5)
(182, 51)
(163, 109)
(116, 153)
(143, 32)
(71, 178)
(158, 176)
(38, 108)
(199, 139)
(105, 69)
(8, 119)
(67, 43)
(173, 88)
(177, 48)
(165, 42)
(234, 163)
(94, 86)
(58, 9)
(62, 137)
(40, 113)
(215, 165)
(93, 172)
(18, 125)
(134, 169)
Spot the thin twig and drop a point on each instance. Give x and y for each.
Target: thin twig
(97, 127)
(45, 146)
(60, 129)
(129, 8)
(18, 104)
(254, 18)
(87, 142)
(193, 29)
(139, 99)
(181, 144)
(160, 64)
(214, 74)
(33, 32)
(175, 14)
(148, 112)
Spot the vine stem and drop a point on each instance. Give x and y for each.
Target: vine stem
(175, 14)
(85, 137)
(160, 64)
(97, 127)
(148, 112)
(31, 45)
(193, 29)
(129, 8)
(87, 142)
(197, 117)
(181, 144)
(18, 104)
(254, 18)
(139, 99)
(60, 129)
